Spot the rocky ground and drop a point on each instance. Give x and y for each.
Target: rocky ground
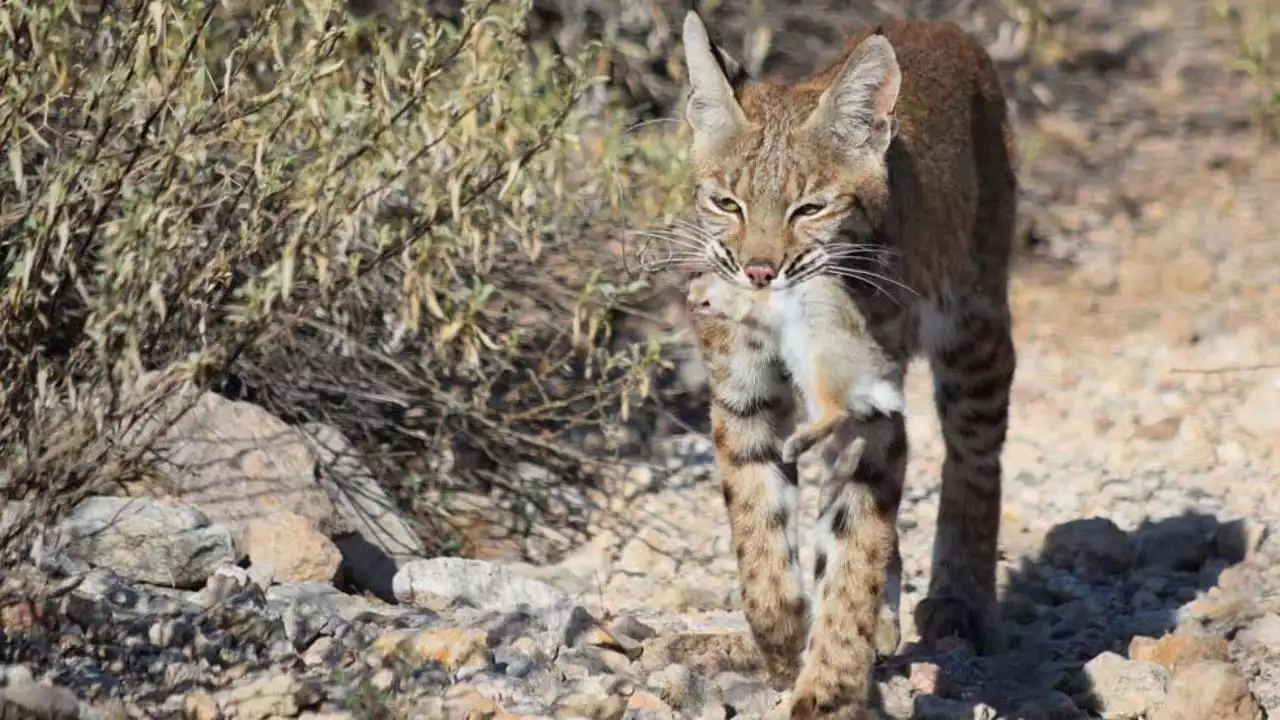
(1140, 564)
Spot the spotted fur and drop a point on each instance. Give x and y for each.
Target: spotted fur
(824, 345)
(893, 171)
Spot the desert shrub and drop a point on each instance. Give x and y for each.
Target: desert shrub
(1257, 35)
(396, 227)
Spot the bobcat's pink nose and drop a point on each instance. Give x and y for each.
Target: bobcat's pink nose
(760, 272)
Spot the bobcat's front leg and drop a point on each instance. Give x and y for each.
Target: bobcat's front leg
(750, 398)
(856, 569)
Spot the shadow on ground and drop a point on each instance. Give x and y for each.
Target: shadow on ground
(1091, 589)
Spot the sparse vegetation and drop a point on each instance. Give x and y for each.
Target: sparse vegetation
(1257, 32)
(398, 227)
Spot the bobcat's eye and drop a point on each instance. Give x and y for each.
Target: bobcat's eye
(726, 204)
(808, 209)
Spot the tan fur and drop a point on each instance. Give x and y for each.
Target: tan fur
(891, 171)
(825, 347)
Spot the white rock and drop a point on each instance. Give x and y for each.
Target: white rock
(440, 582)
(145, 540)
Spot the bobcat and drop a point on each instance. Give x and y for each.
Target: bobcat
(903, 145)
(824, 346)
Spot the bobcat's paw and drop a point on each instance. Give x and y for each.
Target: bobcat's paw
(973, 621)
(888, 632)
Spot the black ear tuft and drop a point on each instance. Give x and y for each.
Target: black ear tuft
(734, 71)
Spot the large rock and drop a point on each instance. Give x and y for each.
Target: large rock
(381, 540)
(1209, 690)
(144, 540)
(287, 548)
(237, 462)
(1090, 546)
(440, 582)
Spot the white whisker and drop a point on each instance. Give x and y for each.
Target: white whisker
(652, 121)
(868, 277)
(676, 240)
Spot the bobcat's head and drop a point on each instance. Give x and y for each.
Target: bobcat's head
(790, 180)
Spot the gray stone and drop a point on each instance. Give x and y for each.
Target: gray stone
(514, 662)
(311, 609)
(683, 689)
(224, 584)
(629, 626)
(30, 700)
(746, 696)
(103, 590)
(13, 513)
(145, 540)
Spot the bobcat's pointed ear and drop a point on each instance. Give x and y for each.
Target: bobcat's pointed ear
(711, 109)
(858, 107)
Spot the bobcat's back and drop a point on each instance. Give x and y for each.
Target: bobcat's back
(953, 162)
